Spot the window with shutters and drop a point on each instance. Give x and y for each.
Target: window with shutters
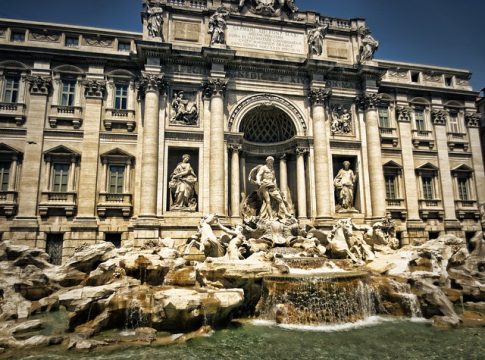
(420, 119)
(463, 189)
(384, 121)
(427, 186)
(453, 123)
(60, 177)
(391, 193)
(121, 97)
(11, 89)
(4, 175)
(68, 92)
(116, 179)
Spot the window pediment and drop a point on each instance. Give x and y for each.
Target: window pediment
(61, 152)
(117, 156)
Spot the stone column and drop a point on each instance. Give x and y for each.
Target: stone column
(321, 146)
(150, 87)
(368, 103)
(284, 176)
(95, 91)
(235, 183)
(472, 121)
(215, 89)
(13, 176)
(301, 182)
(40, 88)
(72, 169)
(447, 195)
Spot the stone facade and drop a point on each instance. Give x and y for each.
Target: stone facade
(93, 123)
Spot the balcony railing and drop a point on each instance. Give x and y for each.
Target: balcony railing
(198, 4)
(458, 140)
(389, 134)
(72, 115)
(8, 202)
(119, 118)
(426, 203)
(14, 111)
(57, 201)
(423, 137)
(422, 133)
(116, 203)
(467, 208)
(395, 203)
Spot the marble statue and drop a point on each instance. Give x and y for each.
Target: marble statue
(184, 111)
(270, 7)
(315, 39)
(154, 15)
(382, 235)
(182, 186)
(235, 249)
(341, 120)
(344, 184)
(369, 46)
(218, 25)
(274, 205)
(209, 244)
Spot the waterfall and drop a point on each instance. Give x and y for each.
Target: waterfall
(331, 298)
(409, 300)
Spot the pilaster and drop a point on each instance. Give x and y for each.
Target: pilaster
(472, 121)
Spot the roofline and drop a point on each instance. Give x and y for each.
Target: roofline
(416, 65)
(72, 27)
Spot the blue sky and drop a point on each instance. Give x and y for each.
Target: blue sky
(437, 32)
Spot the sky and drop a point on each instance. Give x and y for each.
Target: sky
(447, 33)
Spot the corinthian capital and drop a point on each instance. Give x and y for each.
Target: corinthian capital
(439, 116)
(150, 83)
(215, 87)
(39, 85)
(368, 101)
(95, 88)
(472, 120)
(319, 96)
(404, 113)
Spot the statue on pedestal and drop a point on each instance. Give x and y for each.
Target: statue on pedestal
(369, 46)
(270, 7)
(344, 184)
(218, 25)
(154, 15)
(182, 187)
(315, 39)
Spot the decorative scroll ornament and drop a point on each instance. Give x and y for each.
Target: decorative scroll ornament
(150, 83)
(215, 87)
(369, 45)
(315, 39)
(99, 42)
(319, 96)
(472, 120)
(404, 113)
(44, 36)
(439, 116)
(95, 88)
(39, 85)
(236, 148)
(218, 25)
(271, 7)
(302, 150)
(153, 13)
(341, 120)
(368, 101)
(185, 112)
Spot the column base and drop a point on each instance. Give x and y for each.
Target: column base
(325, 222)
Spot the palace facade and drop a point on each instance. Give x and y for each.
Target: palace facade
(94, 124)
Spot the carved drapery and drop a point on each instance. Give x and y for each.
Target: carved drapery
(369, 101)
(150, 83)
(95, 88)
(39, 85)
(215, 87)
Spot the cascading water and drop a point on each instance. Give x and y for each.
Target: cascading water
(330, 298)
(409, 300)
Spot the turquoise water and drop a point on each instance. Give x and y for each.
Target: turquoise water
(377, 339)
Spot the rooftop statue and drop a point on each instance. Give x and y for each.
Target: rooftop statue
(270, 7)
(218, 25)
(369, 45)
(315, 39)
(154, 15)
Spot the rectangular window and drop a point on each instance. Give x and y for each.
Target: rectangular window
(391, 187)
(18, 36)
(415, 77)
(453, 123)
(53, 247)
(121, 96)
(420, 120)
(116, 179)
(384, 118)
(11, 91)
(4, 175)
(60, 177)
(72, 41)
(428, 193)
(68, 92)
(449, 81)
(463, 191)
(124, 46)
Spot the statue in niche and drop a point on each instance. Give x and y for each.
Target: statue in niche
(344, 184)
(154, 15)
(182, 186)
(218, 25)
(271, 7)
(315, 39)
(184, 111)
(369, 46)
(273, 204)
(341, 120)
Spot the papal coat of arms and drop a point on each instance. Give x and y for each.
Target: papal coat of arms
(270, 7)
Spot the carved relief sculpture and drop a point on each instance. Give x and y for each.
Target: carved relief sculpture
(270, 7)
(341, 120)
(182, 186)
(344, 184)
(315, 39)
(369, 46)
(154, 15)
(185, 112)
(40, 85)
(218, 25)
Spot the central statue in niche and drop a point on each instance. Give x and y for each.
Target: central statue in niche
(344, 184)
(182, 186)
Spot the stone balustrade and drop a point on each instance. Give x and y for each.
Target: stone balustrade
(117, 118)
(53, 202)
(115, 203)
(66, 115)
(13, 111)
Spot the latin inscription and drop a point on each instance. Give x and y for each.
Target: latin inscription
(337, 50)
(266, 39)
(186, 31)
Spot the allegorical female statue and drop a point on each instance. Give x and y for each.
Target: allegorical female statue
(154, 16)
(344, 187)
(182, 186)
